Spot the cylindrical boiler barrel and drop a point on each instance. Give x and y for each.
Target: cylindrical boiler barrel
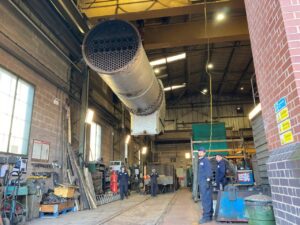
(113, 48)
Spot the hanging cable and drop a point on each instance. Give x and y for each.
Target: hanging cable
(210, 80)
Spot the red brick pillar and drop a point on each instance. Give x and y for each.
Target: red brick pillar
(274, 27)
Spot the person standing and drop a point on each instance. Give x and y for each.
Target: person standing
(220, 172)
(153, 179)
(123, 182)
(205, 187)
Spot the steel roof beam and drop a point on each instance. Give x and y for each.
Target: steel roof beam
(193, 33)
(244, 73)
(220, 87)
(132, 10)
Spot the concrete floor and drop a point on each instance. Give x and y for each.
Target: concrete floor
(174, 208)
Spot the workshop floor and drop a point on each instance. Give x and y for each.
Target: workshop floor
(167, 209)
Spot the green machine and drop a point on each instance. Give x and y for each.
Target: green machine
(201, 137)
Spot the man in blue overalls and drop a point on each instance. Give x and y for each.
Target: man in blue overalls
(153, 180)
(220, 172)
(123, 182)
(204, 182)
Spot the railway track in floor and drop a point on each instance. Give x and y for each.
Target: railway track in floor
(135, 206)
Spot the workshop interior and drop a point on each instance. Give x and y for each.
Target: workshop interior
(106, 107)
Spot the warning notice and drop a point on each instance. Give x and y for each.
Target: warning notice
(286, 137)
(284, 126)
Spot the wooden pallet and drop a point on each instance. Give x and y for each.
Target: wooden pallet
(57, 213)
(53, 210)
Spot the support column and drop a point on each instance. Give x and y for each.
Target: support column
(274, 27)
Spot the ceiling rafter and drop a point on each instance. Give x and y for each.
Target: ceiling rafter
(221, 86)
(244, 73)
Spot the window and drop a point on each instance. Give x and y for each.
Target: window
(16, 101)
(95, 142)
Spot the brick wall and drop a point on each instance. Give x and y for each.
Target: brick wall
(284, 178)
(275, 39)
(19, 37)
(275, 51)
(167, 151)
(291, 17)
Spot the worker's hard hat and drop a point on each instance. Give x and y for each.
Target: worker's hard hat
(201, 149)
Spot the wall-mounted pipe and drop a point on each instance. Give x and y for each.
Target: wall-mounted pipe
(113, 48)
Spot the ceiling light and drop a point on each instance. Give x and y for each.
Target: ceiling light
(168, 59)
(187, 155)
(158, 62)
(176, 57)
(255, 111)
(242, 88)
(239, 109)
(174, 87)
(144, 150)
(157, 70)
(204, 91)
(220, 17)
(89, 116)
(127, 139)
(210, 66)
(162, 76)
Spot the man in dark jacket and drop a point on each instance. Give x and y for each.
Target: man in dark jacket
(123, 182)
(153, 180)
(220, 172)
(204, 182)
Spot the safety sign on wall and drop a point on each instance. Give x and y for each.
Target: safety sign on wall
(283, 121)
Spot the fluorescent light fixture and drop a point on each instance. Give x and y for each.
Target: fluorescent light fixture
(238, 108)
(242, 88)
(168, 59)
(174, 87)
(187, 155)
(156, 70)
(158, 62)
(89, 116)
(139, 157)
(176, 57)
(255, 111)
(162, 76)
(220, 17)
(210, 66)
(127, 139)
(144, 150)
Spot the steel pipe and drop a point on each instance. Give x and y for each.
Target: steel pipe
(113, 48)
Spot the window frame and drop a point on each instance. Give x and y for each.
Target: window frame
(18, 77)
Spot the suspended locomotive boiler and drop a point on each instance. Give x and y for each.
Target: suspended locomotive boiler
(113, 48)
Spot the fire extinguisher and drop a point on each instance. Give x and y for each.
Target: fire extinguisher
(114, 182)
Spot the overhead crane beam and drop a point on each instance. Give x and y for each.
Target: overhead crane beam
(132, 10)
(193, 33)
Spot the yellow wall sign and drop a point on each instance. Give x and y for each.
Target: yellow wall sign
(282, 115)
(286, 137)
(284, 126)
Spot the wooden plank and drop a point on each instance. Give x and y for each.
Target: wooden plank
(89, 182)
(91, 201)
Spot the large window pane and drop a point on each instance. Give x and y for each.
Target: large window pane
(16, 101)
(7, 93)
(3, 142)
(95, 142)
